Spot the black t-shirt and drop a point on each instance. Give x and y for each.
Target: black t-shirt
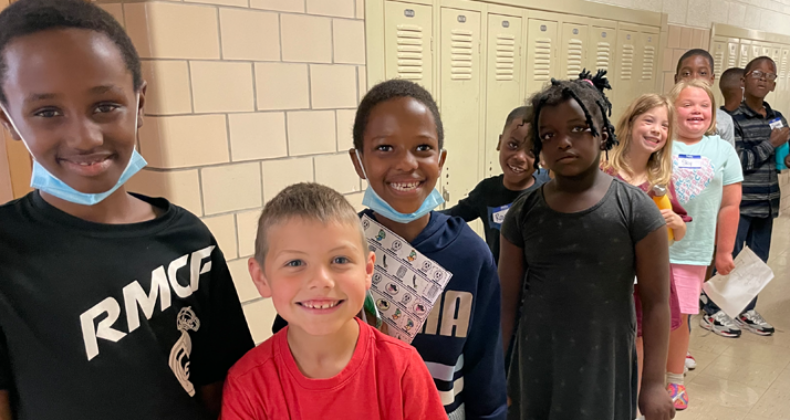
(490, 201)
(113, 321)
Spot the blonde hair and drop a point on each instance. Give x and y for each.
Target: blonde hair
(308, 201)
(659, 165)
(696, 83)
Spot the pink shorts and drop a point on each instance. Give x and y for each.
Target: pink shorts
(688, 282)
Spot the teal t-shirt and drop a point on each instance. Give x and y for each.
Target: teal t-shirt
(700, 173)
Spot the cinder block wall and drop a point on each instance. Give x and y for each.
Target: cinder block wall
(246, 97)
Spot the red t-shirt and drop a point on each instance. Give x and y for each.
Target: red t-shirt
(385, 379)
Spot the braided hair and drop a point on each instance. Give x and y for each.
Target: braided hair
(588, 92)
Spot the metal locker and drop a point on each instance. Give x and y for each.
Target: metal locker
(732, 54)
(624, 84)
(755, 50)
(784, 76)
(743, 53)
(504, 84)
(408, 42)
(648, 46)
(460, 101)
(719, 53)
(603, 42)
(574, 38)
(542, 37)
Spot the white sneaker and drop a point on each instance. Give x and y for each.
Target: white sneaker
(691, 362)
(753, 322)
(720, 324)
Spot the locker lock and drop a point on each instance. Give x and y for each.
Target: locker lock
(505, 24)
(446, 195)
(409, 13)
(461, 19)
(575, 31)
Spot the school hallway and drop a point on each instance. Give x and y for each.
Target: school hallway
(747, 378)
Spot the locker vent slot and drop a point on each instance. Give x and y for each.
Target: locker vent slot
(627, 64)
(648, 60)
(783, 66)
(603, 56)
(461, 49)
(410, 52)
(732, 60)
(744, 56)
(574, 58)
(505, 57)
(541, 68)
(718, 62)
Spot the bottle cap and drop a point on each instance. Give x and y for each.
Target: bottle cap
(659, 190)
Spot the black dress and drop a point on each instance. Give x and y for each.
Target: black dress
(574, 356)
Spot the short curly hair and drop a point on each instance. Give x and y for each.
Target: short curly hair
(588, 92)
(27, 17)
(391, 89)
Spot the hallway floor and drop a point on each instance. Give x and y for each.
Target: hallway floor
(747, 378)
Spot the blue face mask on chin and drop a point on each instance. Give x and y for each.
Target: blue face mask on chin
(44, 181)
(378, 205)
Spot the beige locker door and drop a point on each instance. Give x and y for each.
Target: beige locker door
(408, 42)
(743, 53)
(624, 85)
(542, 38)
(783, 82)
(602, 47)
(460, 101)
(648, 54)
(755, 50)
(504, 82)
(774, 51)
(572, 59)
(719, 53)
(732, 54)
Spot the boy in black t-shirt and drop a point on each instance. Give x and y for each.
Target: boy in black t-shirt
(112, 305)
(492, 197)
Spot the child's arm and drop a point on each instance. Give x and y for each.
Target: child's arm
(511, 273)
(484, 358)
(652, 269)
(751, 155)
(5, 406)
(727, 227)
(465, 208)
(420, 397)
(674, 222)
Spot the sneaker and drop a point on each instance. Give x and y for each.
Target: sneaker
(720, 324)
(752, 321)
(680, 398)
(691, 362)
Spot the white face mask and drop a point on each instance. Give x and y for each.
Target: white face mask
(43, 180)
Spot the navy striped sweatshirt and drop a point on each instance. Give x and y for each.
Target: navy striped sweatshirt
(760, 177)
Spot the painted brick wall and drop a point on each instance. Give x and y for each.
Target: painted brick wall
(246, 97)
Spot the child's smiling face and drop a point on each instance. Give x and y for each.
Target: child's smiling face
(401, 153)
(568, 146)
(694, 112)
(515, 154)
(72, 98)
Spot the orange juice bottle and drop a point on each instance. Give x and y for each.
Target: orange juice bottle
(662, 201)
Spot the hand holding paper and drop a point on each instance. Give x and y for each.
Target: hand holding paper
(733, 292)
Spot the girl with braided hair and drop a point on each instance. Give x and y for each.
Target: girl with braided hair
(579, 241)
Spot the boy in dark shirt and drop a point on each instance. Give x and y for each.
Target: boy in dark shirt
(731, 86)
(112, 305)
(492, 197)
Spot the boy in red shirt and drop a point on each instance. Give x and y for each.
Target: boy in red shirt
(312, 259)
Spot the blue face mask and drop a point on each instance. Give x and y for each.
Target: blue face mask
(378, 205)
(44, 181)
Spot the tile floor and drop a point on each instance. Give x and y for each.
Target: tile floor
(747, 378)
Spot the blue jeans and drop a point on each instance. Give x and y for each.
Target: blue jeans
(754, 232)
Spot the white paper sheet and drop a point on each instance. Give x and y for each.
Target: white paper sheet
(733, 292)
(406, 283)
